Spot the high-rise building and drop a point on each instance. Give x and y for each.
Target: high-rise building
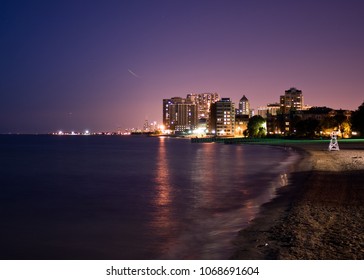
(146, 127)
(291, 100)
(167, 112)
(186, 116)
(244, 106)
(204, 101)
(225, 117)
(179, 114)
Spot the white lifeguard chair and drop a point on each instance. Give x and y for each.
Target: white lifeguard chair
(334, 145)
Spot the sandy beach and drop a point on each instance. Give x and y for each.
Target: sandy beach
(319, 215)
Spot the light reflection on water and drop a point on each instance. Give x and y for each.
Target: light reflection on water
(214, 191)
(162, 221)
(131, 197)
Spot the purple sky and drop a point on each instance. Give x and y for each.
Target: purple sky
(100, 65)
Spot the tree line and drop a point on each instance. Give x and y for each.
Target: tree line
(311, 127)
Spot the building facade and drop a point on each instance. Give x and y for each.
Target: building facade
(179, 114)
(203, 101)
(241, 125)
(166, 115)
(225, 117)
(292, 100)
(270, 110)
(244, 106)
(186, 117)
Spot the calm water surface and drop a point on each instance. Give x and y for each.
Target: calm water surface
(93, 197)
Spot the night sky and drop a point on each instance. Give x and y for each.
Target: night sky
(104, 65)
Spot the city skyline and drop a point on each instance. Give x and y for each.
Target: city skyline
(108, 65)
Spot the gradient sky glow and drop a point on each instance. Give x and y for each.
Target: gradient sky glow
(101, 65)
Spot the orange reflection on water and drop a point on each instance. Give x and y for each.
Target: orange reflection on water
(204, 175)
(162, 176)
(162, 217)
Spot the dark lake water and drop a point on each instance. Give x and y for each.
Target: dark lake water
(132, 197)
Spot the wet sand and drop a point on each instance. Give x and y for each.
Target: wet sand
(319, 215)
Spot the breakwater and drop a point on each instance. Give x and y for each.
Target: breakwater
(236, 140)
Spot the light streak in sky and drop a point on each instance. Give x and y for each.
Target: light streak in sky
(131, 72)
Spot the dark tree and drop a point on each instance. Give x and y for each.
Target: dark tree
(328, 123)
(339, 119)
(307, 128)
(357, 120)
(257, 127)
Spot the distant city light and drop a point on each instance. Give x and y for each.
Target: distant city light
(200, 131)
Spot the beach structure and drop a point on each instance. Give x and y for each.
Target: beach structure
(334, 145)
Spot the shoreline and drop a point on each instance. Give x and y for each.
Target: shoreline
(318, 215)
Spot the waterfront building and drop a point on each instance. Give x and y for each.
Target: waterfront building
(252, 113)
(167, 107)
(203, 101)
(153, 126)
(146, 127)
(262, 111)
(292, 100)
(179, 114)
(306, 107)
(224, 110)
(277, 124)
(241, 125)
(186, 117)
(182, 114)
(269, 110)
(244, 106)
(317, 113)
